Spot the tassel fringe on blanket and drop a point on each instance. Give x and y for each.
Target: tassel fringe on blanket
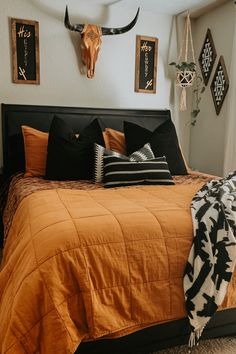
(212, 257)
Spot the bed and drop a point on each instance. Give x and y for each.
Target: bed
(88, 317)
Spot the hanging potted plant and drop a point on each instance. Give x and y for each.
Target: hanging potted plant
(185, 74)
(186, 69)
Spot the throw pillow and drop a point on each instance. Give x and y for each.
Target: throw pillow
(145, 153)
(99, 152)
(116, 140)
(118, 172)
(163, 141)
(35, 145)
(70, 158)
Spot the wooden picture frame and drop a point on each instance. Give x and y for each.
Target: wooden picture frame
(207, 57)
(146, 64)
(219, 85)
(25, 51)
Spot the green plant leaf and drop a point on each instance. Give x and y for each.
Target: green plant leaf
(184, 65)
(197, 96)
(195, 113)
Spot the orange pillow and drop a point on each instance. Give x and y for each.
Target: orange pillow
(36, 144)
(106, 139)
(116, 140)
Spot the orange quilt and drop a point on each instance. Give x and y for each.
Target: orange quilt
(80, 265)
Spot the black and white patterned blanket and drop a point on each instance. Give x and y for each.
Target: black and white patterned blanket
(212, 257)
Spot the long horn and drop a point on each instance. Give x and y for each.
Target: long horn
(106, 31)
(77, 28)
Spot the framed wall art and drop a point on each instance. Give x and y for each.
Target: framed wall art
(146, 64)
(219, 85)
(25, 51)
(207, 57)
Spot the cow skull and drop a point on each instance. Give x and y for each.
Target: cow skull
(91, 39)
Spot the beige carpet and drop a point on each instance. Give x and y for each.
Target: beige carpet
(211, 346)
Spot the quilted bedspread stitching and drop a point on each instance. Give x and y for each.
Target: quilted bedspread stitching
(86, 244)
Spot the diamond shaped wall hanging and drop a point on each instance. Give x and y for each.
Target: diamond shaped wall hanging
(207, 57)
(219, 85)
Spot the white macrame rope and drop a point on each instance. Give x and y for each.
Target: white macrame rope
(185, 41)
(191, 38)
(185, 78)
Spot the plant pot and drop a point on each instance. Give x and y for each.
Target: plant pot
(185, 78)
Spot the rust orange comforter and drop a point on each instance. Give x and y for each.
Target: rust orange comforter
(82, 264)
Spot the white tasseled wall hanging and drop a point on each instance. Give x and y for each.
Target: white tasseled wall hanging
(186, 64)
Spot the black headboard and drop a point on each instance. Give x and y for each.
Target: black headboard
(40, 117)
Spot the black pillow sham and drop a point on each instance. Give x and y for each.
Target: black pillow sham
(119, 172)
(163, 140)
(70, 158)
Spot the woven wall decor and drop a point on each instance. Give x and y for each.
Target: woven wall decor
(207, 57)
(219, 85)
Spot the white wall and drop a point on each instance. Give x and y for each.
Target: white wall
(207, 137)
(61, 82)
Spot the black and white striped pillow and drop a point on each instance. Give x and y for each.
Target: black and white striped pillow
(145, 153)
(99, 152)
(118, 172)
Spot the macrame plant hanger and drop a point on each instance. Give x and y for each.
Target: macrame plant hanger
(185, 77)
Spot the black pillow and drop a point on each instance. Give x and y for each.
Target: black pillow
(119, 172)
(163, 140)
(69, 158)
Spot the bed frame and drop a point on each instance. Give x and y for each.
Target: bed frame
(148, 340)
(40, 117)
